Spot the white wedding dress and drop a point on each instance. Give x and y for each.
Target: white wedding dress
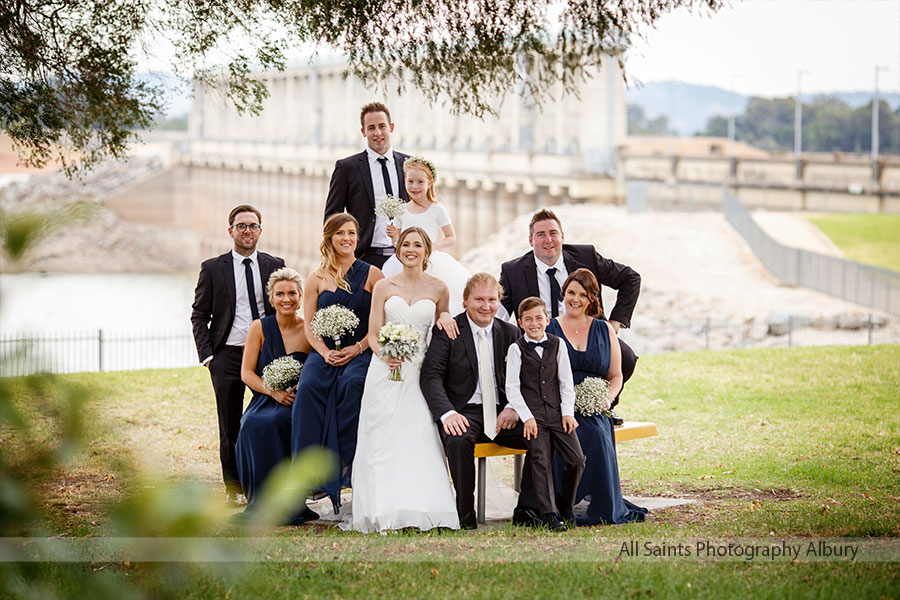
(441, 265)
(399, 476)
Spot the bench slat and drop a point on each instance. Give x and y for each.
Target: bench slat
(631, 430)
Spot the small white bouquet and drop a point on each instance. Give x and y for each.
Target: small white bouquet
(591, 396)
(399, 340)
(333, 322)
(391, 207)
(281, 373)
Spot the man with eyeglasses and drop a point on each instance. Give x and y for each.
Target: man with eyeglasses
(230, 295)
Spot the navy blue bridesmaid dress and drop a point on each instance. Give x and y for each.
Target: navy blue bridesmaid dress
(265, 436)
(326, 408)
(599, 485)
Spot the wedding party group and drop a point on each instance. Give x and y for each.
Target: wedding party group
(399, 361)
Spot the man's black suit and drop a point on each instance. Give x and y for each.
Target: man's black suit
(212, 317)
(351, 190)
(518, 277)
(448, 379)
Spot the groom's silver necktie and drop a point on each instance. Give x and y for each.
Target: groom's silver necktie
(486, 377)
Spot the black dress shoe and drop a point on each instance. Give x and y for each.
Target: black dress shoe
(567, 517)
(468, 522)
(616, 419)
(526, 517)
(302, 517)
(551, 521)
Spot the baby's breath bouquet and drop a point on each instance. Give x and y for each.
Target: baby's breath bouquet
(591, 396)
(399, 340)
(333, 322)
(281, 373)
(391, 207)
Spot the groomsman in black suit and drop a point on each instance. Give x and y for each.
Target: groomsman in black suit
(464, 384)
(360, 182)
(231, 294)
(542, 272)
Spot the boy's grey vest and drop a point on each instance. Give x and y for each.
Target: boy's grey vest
(539, 380)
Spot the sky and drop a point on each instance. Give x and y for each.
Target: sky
(761, 44)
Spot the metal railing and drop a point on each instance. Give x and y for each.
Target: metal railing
(869, 286)
(779, 332)
(24, 354)
(93, 351)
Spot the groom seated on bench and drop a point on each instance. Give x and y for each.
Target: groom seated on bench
(464, 383)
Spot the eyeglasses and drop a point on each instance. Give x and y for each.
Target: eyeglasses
(254, 227)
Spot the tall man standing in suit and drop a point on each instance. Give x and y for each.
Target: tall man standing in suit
(542, 272)
(464, 383)
(230, 295)
(360, 182)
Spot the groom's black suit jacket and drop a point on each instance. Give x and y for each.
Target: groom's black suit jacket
(213, 311)
(449, 372)
(518, 277)
(351, 190)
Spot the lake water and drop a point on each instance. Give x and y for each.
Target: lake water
(34, 302)
(89, 322)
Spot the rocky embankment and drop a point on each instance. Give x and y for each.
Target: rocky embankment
(696, 271)
(97, 240)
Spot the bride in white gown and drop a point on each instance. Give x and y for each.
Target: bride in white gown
(424, 211)
(399, 476)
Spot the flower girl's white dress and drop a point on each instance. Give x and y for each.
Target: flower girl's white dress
(441, 265)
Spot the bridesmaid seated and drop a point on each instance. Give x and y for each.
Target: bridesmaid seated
(326, 413)
(594, 352)
(265, 436)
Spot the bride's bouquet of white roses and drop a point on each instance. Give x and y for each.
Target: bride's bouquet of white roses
(591, 396)
(399, 340)
(333, 322)
(391, 207)
(281, 373)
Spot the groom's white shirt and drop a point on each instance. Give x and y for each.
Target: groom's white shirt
(476, 397)
(380, 237)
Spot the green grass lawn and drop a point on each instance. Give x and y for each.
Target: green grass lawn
(794, 442)
(867, 238)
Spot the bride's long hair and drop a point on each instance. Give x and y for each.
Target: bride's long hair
(426, 242)
(330, 264)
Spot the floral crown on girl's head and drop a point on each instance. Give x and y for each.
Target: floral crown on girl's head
(424, 161)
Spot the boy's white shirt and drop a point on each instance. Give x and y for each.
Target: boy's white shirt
(564, 374)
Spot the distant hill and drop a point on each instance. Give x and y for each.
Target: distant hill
(692, 105)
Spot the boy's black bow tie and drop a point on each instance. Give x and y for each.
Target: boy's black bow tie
(545, 344)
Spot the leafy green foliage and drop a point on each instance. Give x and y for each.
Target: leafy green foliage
(20, 231)
(47, 426)
(640, 124)
(69, 92)
(829, 125)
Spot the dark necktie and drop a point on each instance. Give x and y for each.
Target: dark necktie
(387, 178)
(554, 292)
(545, 344)
(251, 291)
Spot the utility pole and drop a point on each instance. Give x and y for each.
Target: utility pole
(875, 107)
(731, 117)
(798, 126)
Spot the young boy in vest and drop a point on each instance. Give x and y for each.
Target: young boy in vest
(540, 389)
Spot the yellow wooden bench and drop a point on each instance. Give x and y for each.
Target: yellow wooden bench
(631, 430)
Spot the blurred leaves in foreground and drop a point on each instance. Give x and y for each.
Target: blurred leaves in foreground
(21, 231)
(45, 432)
